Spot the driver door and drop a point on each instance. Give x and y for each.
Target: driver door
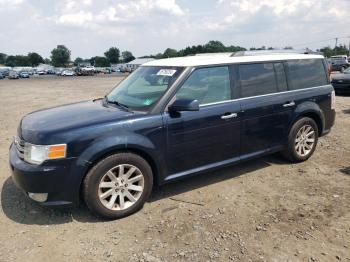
(201, 139)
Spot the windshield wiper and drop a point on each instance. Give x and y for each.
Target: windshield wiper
(114, 102)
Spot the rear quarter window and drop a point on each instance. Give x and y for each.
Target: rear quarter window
(306, 73)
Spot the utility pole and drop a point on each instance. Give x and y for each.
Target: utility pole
(336, 43)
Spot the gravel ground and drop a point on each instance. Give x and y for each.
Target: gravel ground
(263, 210)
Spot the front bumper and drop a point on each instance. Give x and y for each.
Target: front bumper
(52, 177)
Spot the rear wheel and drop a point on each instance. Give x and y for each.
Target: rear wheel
(302, 140)
(118, 186)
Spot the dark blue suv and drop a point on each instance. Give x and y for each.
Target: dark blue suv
(169, 119)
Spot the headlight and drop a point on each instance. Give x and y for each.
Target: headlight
(36, 154)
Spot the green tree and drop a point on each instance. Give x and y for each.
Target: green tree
(214, 47)
(339, 50)
(127, 56)
(11, 61)
(78, 61)
(169, 52)
(60, 56)
(47, 61)
(112, 55)
(35, 59)
(17, 60)
(100, 61)
(2, 58)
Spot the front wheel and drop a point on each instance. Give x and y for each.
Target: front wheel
(118, 186)
(302, 140)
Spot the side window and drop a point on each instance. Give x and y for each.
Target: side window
(257, 79)
(280, 77)
(305, 73)
(207, 85)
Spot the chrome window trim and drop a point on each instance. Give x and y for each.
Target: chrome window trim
(249, 97)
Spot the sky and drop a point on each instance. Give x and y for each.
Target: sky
(88, 28)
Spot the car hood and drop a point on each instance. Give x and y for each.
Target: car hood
(341, 76)
(39, 124)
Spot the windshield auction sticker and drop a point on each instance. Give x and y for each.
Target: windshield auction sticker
(166, 72)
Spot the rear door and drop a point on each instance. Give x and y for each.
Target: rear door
(210, 135)
(258, 96)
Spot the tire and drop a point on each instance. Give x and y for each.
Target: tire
(300, 147)
(108, 192)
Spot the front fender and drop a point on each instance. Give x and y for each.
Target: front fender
(101, 147)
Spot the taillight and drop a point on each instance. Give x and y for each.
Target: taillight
(333, 100)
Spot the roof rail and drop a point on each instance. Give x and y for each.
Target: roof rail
(274, 52)
(218, 54)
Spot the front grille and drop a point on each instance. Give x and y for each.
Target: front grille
(19, 143)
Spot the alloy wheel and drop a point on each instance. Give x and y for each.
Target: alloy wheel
(121, 187)
(305, 140)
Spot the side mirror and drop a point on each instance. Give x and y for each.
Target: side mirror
(184, 105)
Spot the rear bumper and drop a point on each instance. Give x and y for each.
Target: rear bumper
(52, 178)
(329, 122)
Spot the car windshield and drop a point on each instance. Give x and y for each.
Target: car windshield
(144, 87)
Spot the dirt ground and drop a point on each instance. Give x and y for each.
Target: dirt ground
(263, 210)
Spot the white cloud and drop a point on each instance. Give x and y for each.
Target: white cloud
(81, 18)
(10, 3)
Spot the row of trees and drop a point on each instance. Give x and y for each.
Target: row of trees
(32, 59)
(61, 55)
(338, 50)
(210, 47)
(112, 56)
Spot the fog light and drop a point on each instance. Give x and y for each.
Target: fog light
(40, 197)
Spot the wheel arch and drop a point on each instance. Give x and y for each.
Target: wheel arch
(316, 117)
(311, 110)
(135, 150)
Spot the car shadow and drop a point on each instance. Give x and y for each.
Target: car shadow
(212, 177)
(20, 209)
(346, 111)
(345, 170)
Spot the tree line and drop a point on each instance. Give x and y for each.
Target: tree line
(61, 55)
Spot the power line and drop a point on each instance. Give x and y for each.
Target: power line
(321, 41)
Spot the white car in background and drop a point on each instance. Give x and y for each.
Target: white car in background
(88, 68)
(68, 72)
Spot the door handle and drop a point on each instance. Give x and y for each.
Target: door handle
(228, 116)
(292, 103)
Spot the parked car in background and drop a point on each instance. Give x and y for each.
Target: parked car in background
(125, 70)
(68, 72)
(40, 72)
(58, 71)
(5, 72)
(13, 75)
(24, 74)
(88, 68)
(221, 109)
(341, 82)
(339, 63)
